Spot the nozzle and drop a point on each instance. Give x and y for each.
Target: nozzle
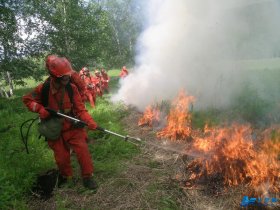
(135, 138)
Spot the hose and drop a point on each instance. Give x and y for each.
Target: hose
(25, 138)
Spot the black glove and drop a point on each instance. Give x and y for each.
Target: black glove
(79, 124)
(100, 129)
(51, 111)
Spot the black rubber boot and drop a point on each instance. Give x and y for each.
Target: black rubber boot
(89, 183)
(65, 181)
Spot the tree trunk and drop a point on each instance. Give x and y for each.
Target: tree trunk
(117, 39)
(10, 82)
(3, 92)
(65, 29)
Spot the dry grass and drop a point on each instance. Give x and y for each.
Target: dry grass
(155, 179)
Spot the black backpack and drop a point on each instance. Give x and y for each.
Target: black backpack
(45, 102)
(46, 90)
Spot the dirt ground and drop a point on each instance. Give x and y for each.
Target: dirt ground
(154, 179)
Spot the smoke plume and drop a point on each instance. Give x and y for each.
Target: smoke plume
(200, 46)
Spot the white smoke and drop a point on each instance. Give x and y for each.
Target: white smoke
(197, 45)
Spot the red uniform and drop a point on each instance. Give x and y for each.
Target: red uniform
(83, 72)
(105, 80)
(71, 137)
(76, 79)
(124, 72)
(97, 84)
(90, 89)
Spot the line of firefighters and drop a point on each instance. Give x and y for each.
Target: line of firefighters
(96, 85)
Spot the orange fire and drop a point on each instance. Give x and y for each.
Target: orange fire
(179, 119)
(150, 116)
(231, 154)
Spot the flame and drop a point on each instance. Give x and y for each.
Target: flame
(150, 116)
(179, 119)
(230, 153)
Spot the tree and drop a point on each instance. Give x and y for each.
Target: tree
(15, 63)
(76, 29)
(126, 21)
(98, 33)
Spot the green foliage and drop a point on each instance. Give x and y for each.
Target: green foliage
(19, 50)
(78, 31)
(209, 117)
(124, 19)
(24, 68)
(261, 64)
(249, 105)
(18, 170)
(87, 32)
(8, 36)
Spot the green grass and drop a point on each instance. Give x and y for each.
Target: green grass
(257, 98)
(114, 72)
(109, 149)
(167, 200)
(261, 64)
(18, 170)
(210, 117)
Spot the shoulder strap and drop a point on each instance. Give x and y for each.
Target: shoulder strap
(45, 93)
(70, 91)
(46, 90)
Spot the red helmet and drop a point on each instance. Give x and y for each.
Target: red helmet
(49, 59)
(59, 67)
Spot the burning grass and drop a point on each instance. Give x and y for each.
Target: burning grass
(221, 158)
(179, 119)
(150, 117)
(230, 154)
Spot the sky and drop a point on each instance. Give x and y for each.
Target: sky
(200, 46)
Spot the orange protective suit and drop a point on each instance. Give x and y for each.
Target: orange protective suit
(124, 72)
(105, 80)
(71, 137)
(76, 79)
(90, 89)
(97, 84)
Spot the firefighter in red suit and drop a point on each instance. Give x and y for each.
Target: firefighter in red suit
(105, 80)
(71, 137)
(75, 78)
(97, 81)
(82, 71)
(90, 87)
(124, 72)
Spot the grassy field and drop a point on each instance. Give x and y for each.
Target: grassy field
(261, 64)
(19, 170)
